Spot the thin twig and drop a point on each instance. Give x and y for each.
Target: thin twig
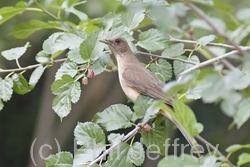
(168, 58)
(205, 63)
(106, 152)
(31, 66)
(215, 149)
(202, 15)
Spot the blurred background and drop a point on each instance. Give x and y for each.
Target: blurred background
(28, 120)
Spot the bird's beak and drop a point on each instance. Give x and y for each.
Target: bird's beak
(104, 41)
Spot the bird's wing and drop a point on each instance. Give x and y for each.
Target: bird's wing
(145, 82)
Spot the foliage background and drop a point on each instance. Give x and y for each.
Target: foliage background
(30, 116)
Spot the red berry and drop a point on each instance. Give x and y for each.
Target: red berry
(190, 32)
(91, 73)
(147, 127)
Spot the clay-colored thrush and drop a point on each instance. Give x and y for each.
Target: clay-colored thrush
(135, 79)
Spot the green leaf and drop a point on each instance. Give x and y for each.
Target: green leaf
(74, 55)
(104, 59)
(243, 159)
(97, 67)
(69, 68)
(183, 160)
(230, 103)
(125, 155)
(179, 66)
(67, 90)
(82, 16)
(20, 84)
(79, 33)
(36, 75)
(246, 67)
(194, 92)
(115, 137)
(7, 13)
(67, 41)
(43, 57)
(140, 107)
(64, 159)
(186, 118)
(152, 40)
(5, 89)
(218, 23)
(203, 41)
(155, 140)
(243, 15)
(243, 112)
(174, 50)
(24, 30)
(49, 44)
(233, 148)
(89, 134)
(162, 67)
(132, 19)
(115, 117)
(15, 53)
(91, 48)
(85, 154)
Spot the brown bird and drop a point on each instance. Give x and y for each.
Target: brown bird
(135, 79)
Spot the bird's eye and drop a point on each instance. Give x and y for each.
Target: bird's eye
(117, 40)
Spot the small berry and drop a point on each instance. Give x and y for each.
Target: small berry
(85, 81)
(91, 73)
(190, 32)
(147, 127)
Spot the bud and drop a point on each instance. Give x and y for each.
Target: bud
(85, 81)
(147, 127)
(91, 73)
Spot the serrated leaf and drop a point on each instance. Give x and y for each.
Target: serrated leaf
(24, 30)
(243, 159)
(82, 16)
(64, 159)
(152, 40)
(155, 140)
(203, 41)
(69, 68)
(104, 59)
(183, 160)
(233, 148)
(85, 155)
(97, 67)
(243, 112)
(174, 50)
(115, 137)
(74, 55)
(7, 13)
(20, 84)
(67, 41)
(243, 15)
(15, 53)
(132, 19)
(43, 57)
(91, 48)
(125, 155)
(67, 90)
(79, 33)
(194, 92)
(89, 134)
(6, 89)
(36, 75)
(163, 67)
(230, 103)
(179, 66)
(140, 107)
(114, 117)
(49, 44)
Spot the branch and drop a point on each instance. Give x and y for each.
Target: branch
(215, 149)
(202, 15)
(167, 58)
(31, 66)
(205, 63)
(128, 136)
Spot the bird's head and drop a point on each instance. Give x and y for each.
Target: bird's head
(118, 45)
